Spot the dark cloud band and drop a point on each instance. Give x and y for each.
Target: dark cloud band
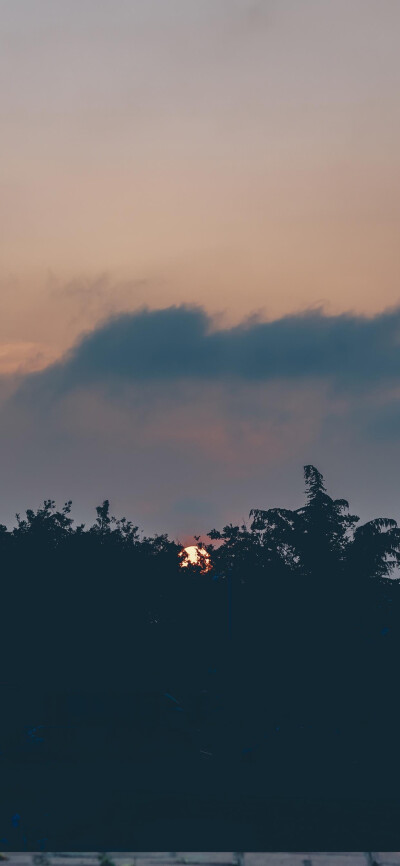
(180, 342)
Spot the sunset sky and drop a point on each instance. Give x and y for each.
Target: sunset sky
(200, 256)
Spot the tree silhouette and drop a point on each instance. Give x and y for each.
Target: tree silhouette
(312, 538)
(274, 664)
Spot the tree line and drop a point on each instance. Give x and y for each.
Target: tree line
(321, 535)
(283, 654)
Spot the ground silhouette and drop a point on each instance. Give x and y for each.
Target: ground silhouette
(264, 687)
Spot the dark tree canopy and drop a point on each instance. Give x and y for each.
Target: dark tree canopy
(273, 665)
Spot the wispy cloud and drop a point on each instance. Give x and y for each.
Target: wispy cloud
(22, 357)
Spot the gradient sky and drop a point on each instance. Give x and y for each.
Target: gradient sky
(235, 155)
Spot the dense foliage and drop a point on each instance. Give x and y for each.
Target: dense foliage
(277, 666)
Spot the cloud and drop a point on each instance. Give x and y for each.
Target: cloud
(185, 424)
(23, 357)
(180, 343)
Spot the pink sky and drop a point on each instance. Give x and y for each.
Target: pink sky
(239, 154)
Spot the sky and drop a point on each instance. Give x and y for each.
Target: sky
(199, 256)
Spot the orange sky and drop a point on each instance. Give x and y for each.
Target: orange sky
(239, 154)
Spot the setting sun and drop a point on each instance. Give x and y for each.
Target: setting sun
(196, 556)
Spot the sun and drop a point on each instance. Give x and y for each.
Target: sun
(196, 556)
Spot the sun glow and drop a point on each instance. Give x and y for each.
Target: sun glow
(196, 556)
